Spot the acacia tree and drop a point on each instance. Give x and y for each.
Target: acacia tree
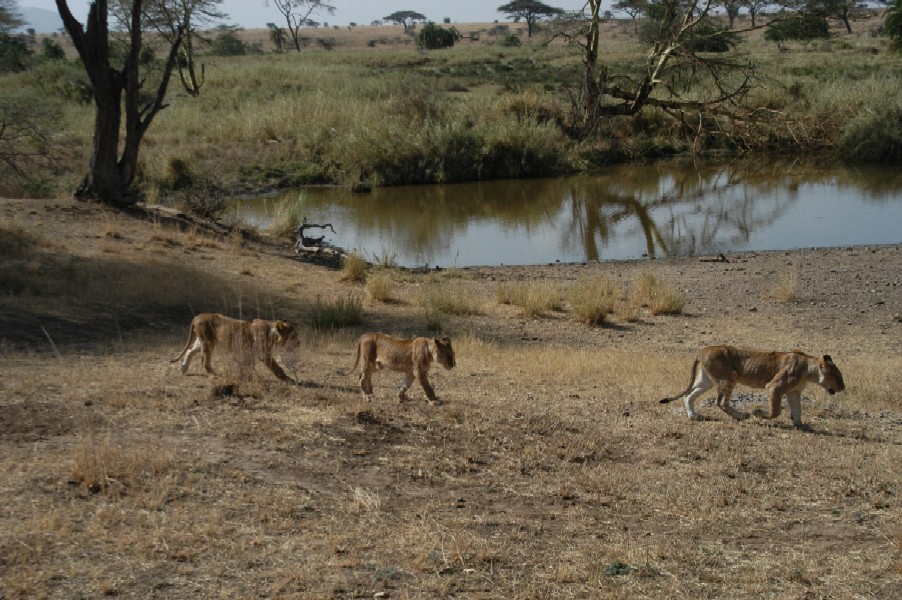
(755, 8)
(406, 18)
(297, 14)
(116, 89)
(673, 63)
(530, 11)
(9, 16)
(165, 17)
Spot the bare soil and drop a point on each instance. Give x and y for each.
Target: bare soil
(548, 470)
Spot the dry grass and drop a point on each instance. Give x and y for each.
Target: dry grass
(549, 470)
(651, 292)
(353, 267)
(783, 288)
(379, 287)
(534, 298)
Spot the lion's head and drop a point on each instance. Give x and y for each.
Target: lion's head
(286, 335)
(830, 377)
(442, 352)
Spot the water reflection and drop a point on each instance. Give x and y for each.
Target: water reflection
(669, 209)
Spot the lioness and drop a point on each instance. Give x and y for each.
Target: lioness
(411, 357)
(209, 330)
(779, 373)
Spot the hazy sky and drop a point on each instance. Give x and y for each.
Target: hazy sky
(255, 13)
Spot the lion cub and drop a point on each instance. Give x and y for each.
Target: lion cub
(411, 357)
(209, 330)
(778, 373)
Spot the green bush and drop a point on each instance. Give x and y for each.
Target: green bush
(227, 43)
(433, 37)
(802, 27)
(52, 50)
(875, 138)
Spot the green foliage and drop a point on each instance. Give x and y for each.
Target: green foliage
(434, 37)
(510, 40)
(227, 43)
(708, 37)
(800, 27)
(875, 137)
(892, 25)
(14, 53)
(52, 50)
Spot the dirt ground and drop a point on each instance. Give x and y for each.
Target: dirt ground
(549, 470)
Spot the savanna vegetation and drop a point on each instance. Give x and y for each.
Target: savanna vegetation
(362, 107)
(548, 469)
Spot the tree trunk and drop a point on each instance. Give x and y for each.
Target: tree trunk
(111, 175)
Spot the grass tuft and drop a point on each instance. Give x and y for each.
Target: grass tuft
(593, 300)
(379, 287)
(658, 297)
(534, 298)
(784, 288)
(344, 311)
(353, 267)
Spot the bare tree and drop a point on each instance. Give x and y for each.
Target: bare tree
(116, 88)
(297, 14)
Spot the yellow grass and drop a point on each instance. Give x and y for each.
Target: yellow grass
(549, 470)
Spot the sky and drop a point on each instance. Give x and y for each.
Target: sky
(253, 14)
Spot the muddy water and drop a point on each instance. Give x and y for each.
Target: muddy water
(625, 212)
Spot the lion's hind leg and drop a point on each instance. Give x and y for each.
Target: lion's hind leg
(366, 380)
(702, 384)
(724, 394)
(196, 347)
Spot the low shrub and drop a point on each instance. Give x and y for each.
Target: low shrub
(875, 137)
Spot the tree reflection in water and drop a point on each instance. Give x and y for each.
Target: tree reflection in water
(675, 208)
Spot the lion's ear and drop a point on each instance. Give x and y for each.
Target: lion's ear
(827, 359)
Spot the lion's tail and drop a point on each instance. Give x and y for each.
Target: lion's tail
(689, 387)
(192, 335)
(356, 358)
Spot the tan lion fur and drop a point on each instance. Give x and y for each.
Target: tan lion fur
(411, 357)
(209, 330)
(778, 373)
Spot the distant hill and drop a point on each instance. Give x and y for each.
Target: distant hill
(41, 20)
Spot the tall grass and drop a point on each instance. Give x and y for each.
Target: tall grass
(367, 116)
(289, 214)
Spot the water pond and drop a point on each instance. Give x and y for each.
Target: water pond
(675, 208)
